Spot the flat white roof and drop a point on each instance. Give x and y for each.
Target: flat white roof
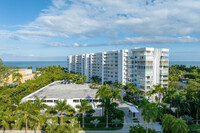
(65, 91)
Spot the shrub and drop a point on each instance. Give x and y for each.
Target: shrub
(116, 122)
(188, 119)
(140, 129)
(95, 122)
(80, 82)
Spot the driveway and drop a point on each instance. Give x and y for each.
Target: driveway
(127, 120)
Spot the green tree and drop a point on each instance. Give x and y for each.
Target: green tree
(62, 106)
(82, 108)
(95, 79)
(108, 106)
(50, 111)
(26, 113)
(159, 91)
(16, 77)
(180, 103)
(84, 78)
(5, 72)
(16, 100)
(51, 126)
(116, 94)
(179, 126)
(4, 119)
(172, 124)
(39, 103)
(193, 95)
(29, 67)
(118, 85)
(147, 112)
(167, 122)
(1, 62)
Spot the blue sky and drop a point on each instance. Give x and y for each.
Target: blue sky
(36, 30)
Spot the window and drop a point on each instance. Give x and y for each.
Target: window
(76, 101)
(96, 100)
(49, 101)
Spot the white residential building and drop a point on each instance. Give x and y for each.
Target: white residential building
(143, 67)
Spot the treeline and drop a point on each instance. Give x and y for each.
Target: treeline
(182, 71)
(48, 75)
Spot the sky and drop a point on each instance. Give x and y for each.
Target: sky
(50, 30)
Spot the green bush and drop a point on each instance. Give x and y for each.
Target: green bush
(140, 129)
(57, 119)
(88, 119)
(80, 82)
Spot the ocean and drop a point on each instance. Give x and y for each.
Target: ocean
(38, 64)
(35, 64)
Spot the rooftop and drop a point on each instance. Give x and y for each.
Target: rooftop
(65, 91)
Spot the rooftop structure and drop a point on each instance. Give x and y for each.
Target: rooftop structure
(60, 91)
(66, 91)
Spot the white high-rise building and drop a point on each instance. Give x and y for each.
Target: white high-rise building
(143, 67)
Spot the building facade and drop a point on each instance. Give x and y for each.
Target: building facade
(27, 74)
(143, 67)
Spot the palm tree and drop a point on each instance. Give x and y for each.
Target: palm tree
(157, 89)
(82, 108)
(118, 85)
(51, 126)
(27, 113)
(16, 77)
(50, 111)
(4, 116)
(180, 103)
(62, 106)
(116, 94)
(169, 94)
(196, 102)
(133, 91)
(16, 100)
(155, 112)
(104, 91)
(167, 122)
(109, 107)
(84, 78)
(39, 103)
(146, 113)
(179, 126)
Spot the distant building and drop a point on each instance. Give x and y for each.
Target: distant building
(143, 67)
(27, 74)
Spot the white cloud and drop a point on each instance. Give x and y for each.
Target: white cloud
(134, 40)
(58, 44)
(161, 39)
(31, 55)
(162, 20)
